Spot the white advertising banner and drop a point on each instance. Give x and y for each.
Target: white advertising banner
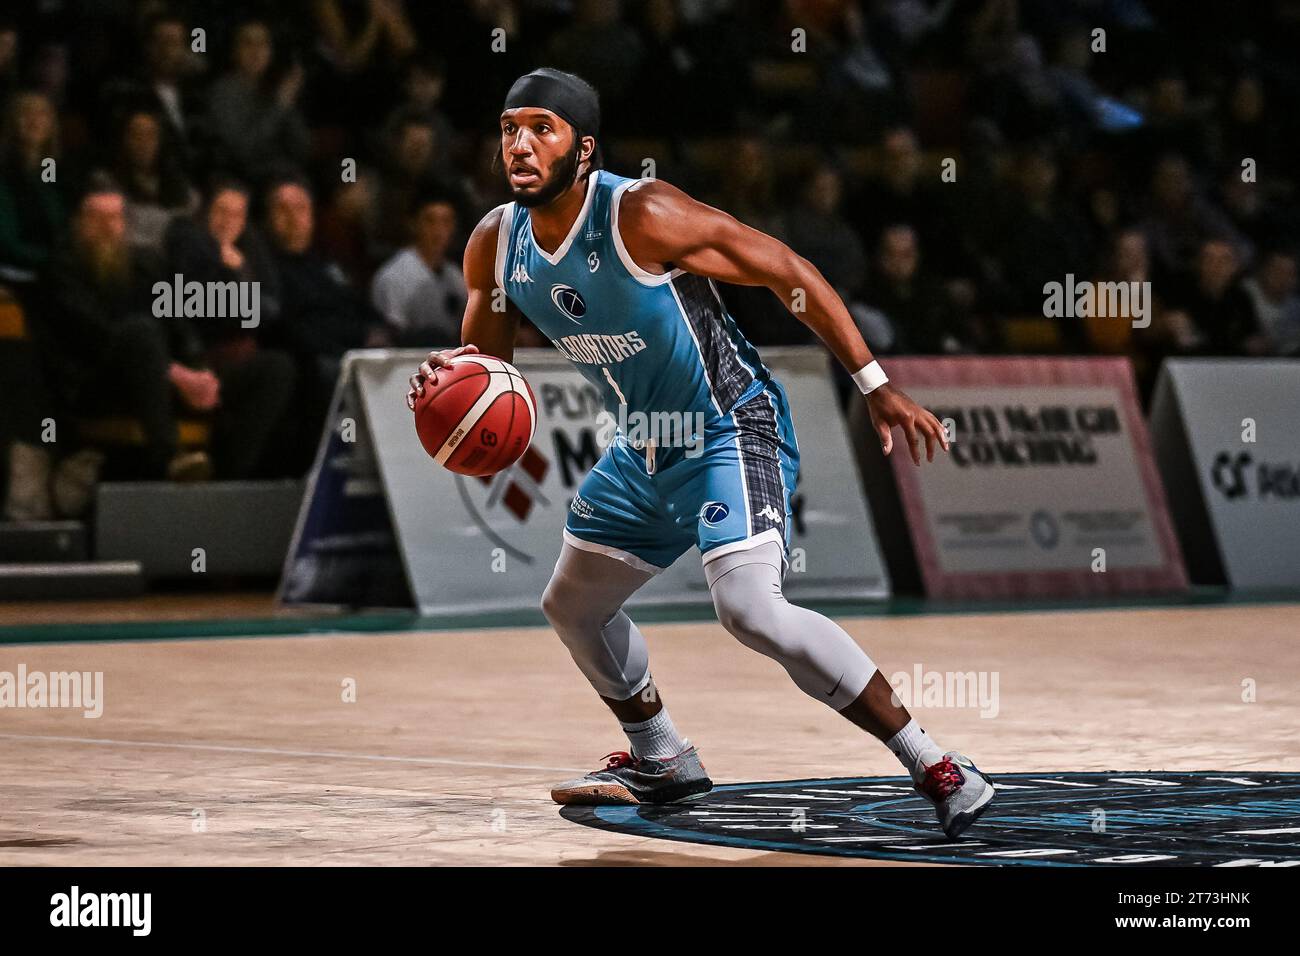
(1049, 487)
(477, 544)
(1229, 448)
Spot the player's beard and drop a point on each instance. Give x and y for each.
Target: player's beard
(561, 178)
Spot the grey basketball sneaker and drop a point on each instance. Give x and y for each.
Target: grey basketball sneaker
(630, 779)
(959, 790)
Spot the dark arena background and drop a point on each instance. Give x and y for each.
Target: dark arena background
(246, 621)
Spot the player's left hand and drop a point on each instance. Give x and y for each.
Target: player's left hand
(890, 408)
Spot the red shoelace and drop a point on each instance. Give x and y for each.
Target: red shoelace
(620, 758)
(942, 780)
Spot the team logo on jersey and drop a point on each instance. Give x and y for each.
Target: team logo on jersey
(568, 301)
(593, 261)
(714, 513)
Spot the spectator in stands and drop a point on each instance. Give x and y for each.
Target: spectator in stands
(1172, 124)
(156, 186)
(323, 316)
(1079, 99)
(1260, 216)
(486, 188)
(1215, 315)
(411, 162)
(817, 230)
(108, 347)
(1248, 131)
(749, 193)
(340, 234)
(1272, 292)
(1043, 239)
(220, 247)
(749, 185)
(474, 87)
(253, 111)
(1180, 220)
(32, 208)
(1129, 261)
(1015, 88)
(420, 291)
(424, 81)
(50, 70)
(9, 51)
(679, 61)
(900, 192)
(913, 302)
(856, 92)
(27, 407)
(357, 35)
(165, 86)
(603, 50)
(357, 42)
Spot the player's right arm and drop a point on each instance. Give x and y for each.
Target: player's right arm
(484, 329)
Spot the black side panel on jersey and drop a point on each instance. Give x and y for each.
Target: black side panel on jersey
(728, 377)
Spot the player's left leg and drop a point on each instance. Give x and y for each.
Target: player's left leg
(741, 489)
(827, 665)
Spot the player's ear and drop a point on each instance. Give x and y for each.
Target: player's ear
(586, 148)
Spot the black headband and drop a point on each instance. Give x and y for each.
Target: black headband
(564, 94)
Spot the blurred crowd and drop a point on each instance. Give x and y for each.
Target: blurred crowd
(939, 160)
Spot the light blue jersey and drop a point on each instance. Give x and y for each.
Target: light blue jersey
(655, 344)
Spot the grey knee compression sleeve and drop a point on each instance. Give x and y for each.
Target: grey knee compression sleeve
(816, 652)
(583, 602)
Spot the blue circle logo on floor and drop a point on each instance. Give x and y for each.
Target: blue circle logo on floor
(1116, 818)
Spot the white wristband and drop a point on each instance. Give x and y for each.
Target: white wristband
(870, 377)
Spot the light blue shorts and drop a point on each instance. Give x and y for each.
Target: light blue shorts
(731, 493)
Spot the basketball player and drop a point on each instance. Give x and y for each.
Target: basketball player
(620, 275)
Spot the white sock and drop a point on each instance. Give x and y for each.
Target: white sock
(914, 748)
(656, 737)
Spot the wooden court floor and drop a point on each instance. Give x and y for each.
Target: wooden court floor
(244, 751)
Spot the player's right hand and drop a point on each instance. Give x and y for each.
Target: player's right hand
(436, 360)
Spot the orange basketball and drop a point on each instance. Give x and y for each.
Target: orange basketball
(476, 416)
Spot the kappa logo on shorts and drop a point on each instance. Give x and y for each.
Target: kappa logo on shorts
(714, 513)
(568, 301)
(771, 514)
(1205, 818)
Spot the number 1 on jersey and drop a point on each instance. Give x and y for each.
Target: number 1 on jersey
(614, 385)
